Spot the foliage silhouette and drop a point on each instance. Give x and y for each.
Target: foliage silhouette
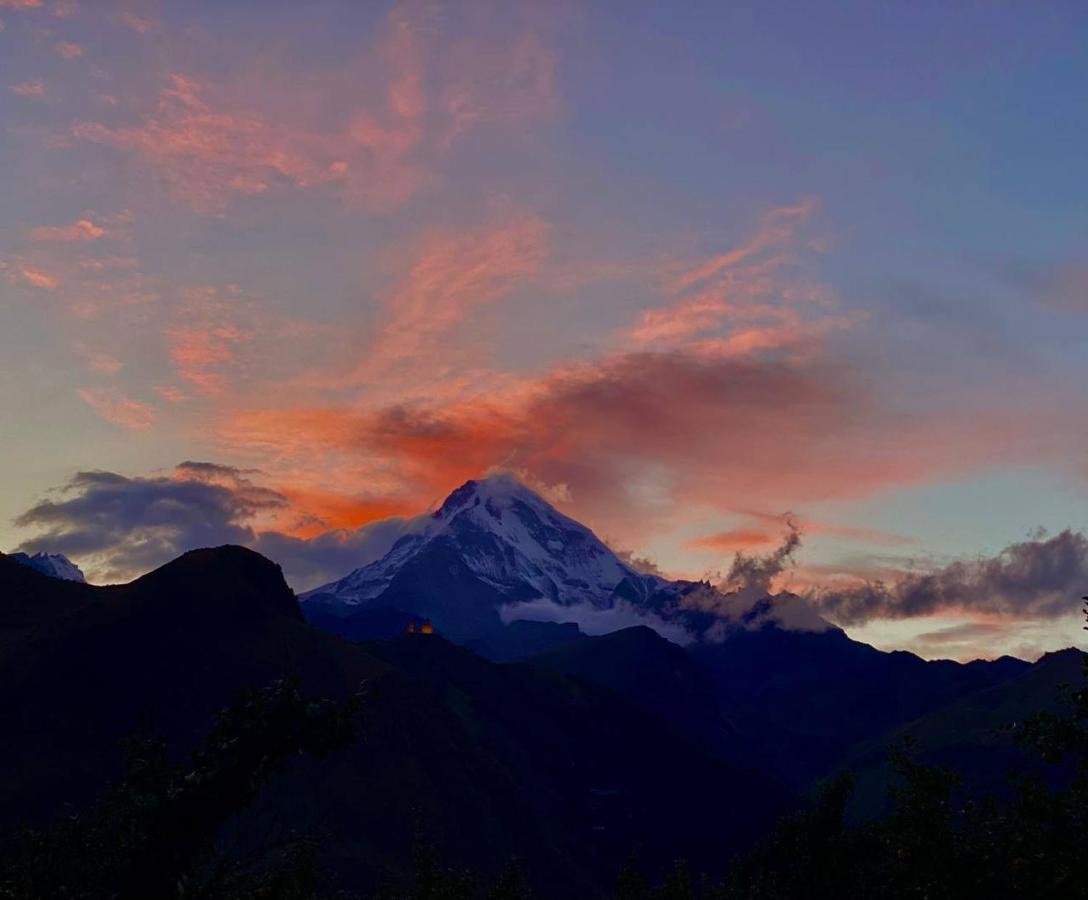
(154, 834)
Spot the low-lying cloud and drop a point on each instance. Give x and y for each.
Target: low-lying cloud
(118, 527)
(594, 620)
(1041, 578)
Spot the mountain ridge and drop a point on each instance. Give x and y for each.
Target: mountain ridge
(497, 761)
(495, 552)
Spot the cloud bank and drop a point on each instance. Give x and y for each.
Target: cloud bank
(1042, 578)
(121, 527)
(118, 527)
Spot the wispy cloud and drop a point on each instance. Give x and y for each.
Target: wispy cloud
(451, 275)
(119, 409)
(19, 272)
(204, 343)
(213, 140)
(80, 230)
(32, 89)
(744, 300)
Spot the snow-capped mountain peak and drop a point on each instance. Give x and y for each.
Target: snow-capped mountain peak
(55, 565)
(510, 538)
(494, 551)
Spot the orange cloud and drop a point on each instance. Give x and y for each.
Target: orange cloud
(206, 154)
(19, 272)
(196, 351)
(34, 88)
(69, 50)
(206, 342)
(380, 145)
(607, 430)
(21, 4)
(328, 511)
(116, 408)
(105, 363)
(811, 527)
(735, 539)
(745, 300)
(452, 275)
(80, 230)
(212, 141)
(171, 394)
(640, 438)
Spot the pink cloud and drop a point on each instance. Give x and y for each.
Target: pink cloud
(171, 394)
(716, 418)
(118, 409)
(21, 4)
(69, 50)
(641, 438)
(204, 344)
(747, 299)
(80, 230)
(34, 88)
(735, 539)
(515, 82)
(451, 275)
(19, 272)
(268, 129)
(106, 363)
(205, 154)
(139, 24)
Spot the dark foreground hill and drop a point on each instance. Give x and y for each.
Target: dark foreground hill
(799, 704)
(490, 762)
(766, 682)
(976, 736)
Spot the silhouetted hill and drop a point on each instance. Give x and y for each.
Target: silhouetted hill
(31, 603)
(975, 735)
(163, 653)
(490, 761)
(649, 672)
(806, 698)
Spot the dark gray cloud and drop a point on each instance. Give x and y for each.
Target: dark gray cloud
(119, 527)
(1042, 578)
(964, 633)
(637, 561)
(312, 562)
(750, 576)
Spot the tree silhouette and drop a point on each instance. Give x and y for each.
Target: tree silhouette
(152, 836)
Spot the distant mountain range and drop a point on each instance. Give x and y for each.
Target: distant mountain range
(491, 762)
(495, 552)
(498, 569)
(54, 564)
(569, 712)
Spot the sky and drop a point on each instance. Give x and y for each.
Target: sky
(285, 274)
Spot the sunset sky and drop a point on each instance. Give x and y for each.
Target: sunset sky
(683, 268)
